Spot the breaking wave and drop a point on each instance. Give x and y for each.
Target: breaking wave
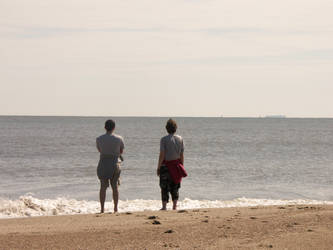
(27, 206)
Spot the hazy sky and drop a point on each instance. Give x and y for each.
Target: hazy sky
(166, 58)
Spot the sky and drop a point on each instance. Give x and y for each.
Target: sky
(166, 58)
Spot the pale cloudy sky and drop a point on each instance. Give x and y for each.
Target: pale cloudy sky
(166, 58)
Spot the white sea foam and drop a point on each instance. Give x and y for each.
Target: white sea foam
(27, 206)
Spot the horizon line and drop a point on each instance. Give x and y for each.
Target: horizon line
(176, 116)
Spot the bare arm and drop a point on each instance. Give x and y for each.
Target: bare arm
(182, 158)
(121, 150)
(99, 150)
(160, 160)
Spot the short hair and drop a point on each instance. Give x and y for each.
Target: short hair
(171, 126)
(110, 125)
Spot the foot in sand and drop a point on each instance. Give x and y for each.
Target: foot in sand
(174, 207)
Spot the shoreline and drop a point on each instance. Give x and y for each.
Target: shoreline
(261, 227)
(29, 206)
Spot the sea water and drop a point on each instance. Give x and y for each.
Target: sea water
(48, 164)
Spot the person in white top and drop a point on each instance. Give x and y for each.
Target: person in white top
(171, 151)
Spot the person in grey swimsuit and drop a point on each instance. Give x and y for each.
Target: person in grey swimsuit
(110, 147)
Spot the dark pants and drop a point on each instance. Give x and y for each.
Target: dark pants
(167, 185)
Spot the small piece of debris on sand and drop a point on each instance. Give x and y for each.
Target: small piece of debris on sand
(182, 211)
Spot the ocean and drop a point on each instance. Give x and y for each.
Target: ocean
(48, 164)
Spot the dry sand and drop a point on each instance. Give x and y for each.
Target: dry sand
(278, 227)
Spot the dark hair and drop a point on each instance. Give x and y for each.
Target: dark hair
(110, 125)
(171, 126)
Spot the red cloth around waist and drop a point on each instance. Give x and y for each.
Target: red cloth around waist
(176, 170)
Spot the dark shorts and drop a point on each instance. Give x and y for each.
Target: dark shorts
(113, 181)
(168, 186)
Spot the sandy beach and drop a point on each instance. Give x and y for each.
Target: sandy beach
(277, 227)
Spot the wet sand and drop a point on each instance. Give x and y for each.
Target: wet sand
(276, 227)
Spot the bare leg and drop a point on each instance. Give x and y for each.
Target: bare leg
(115, 194)
(174, 207)
(102, 194)
(164, 196)
(164, 204)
